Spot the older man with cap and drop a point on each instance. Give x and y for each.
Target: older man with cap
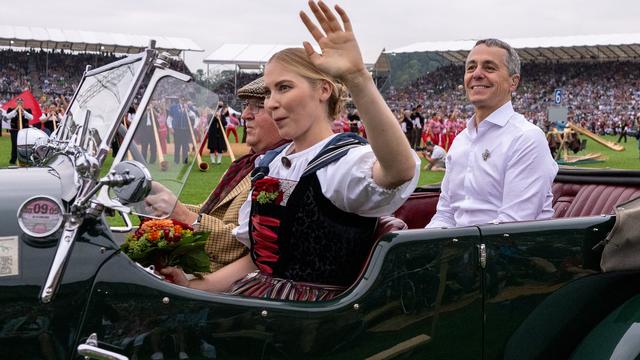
(218, 215)
(19, 117)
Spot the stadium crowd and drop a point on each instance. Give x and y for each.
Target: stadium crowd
(48, 74)
(602, 96)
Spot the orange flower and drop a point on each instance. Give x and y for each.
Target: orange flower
(153, 235)
(156, 225)
(177, 229)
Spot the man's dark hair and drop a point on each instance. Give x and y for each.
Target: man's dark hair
(512, 60)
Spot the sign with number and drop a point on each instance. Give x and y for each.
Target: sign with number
(9, 260)
(558, 96)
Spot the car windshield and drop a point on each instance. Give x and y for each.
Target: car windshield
(98, 102)
(169, 134)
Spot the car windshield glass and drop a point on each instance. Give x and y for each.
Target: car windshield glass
(169, 135)
(99, 100)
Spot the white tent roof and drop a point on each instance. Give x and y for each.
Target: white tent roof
(246, 56)
(77, 40)
(582, 47)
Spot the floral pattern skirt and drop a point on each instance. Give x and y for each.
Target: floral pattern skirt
(259, 284)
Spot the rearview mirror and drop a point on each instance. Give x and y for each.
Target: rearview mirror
(137, 188)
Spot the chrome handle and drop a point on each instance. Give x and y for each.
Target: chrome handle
(90, 350)
(482, 255)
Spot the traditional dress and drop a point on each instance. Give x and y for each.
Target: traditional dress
(312, 219)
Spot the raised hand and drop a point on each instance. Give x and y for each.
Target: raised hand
(340, 55)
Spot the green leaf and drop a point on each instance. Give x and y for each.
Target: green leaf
(195, 262)
(187, 248)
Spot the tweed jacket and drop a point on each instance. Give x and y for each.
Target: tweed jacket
(223, 248)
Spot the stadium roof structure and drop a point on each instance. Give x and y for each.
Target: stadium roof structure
(77, 40)
(560, 48)
(246, 56)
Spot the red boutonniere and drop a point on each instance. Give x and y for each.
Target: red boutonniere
(267, 190)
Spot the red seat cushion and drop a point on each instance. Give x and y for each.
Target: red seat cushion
(599, 199)
(387, 224)
(563, 195)
(418, 210)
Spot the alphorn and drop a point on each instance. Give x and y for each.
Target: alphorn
(163, 163)
(124, 123)
(202, 166)
(226, 140)
(19, 119)
(610, 144)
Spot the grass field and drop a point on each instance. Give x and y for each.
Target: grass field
(199, 183)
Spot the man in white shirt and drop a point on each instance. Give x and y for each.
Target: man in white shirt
(19, 119)
(435, 156)
(499, 169)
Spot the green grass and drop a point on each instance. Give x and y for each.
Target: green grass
(199, 184)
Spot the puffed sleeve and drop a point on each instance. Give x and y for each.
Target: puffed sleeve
(349, 184)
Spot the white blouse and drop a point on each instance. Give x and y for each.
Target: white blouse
(347, 182)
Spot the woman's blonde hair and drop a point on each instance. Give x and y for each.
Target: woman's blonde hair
(297, 61)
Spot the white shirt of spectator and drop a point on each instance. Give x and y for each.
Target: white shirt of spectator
(45, 116)
(14, 113)
(438, 153)
(416, 122)
(346, 182)
(501, 171)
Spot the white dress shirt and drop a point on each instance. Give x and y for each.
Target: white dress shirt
(347, 182)
(500, 171)
(14, 113)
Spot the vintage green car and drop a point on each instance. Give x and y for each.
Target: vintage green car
(514, 290)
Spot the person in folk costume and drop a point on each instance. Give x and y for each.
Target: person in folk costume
(427, 132)
(436, 129)
(310, 218)
(215, 141)
(145, 136)
(50, 120)
(218, 215)
(451, 131)
(161, 118)
(407, 126)
(232, 124)
(19, 118)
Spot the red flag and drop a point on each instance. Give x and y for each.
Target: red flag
(30, 103)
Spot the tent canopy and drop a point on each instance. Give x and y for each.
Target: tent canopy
(247, 56)
(76, 40)
(559, 48)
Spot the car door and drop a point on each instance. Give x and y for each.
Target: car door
(421, 294)
(538, 277)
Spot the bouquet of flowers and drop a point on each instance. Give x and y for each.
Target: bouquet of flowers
(168, 243)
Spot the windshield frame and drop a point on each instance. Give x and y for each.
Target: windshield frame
(146, 58)
(158, 75)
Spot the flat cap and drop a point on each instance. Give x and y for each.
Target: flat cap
(254, 89)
